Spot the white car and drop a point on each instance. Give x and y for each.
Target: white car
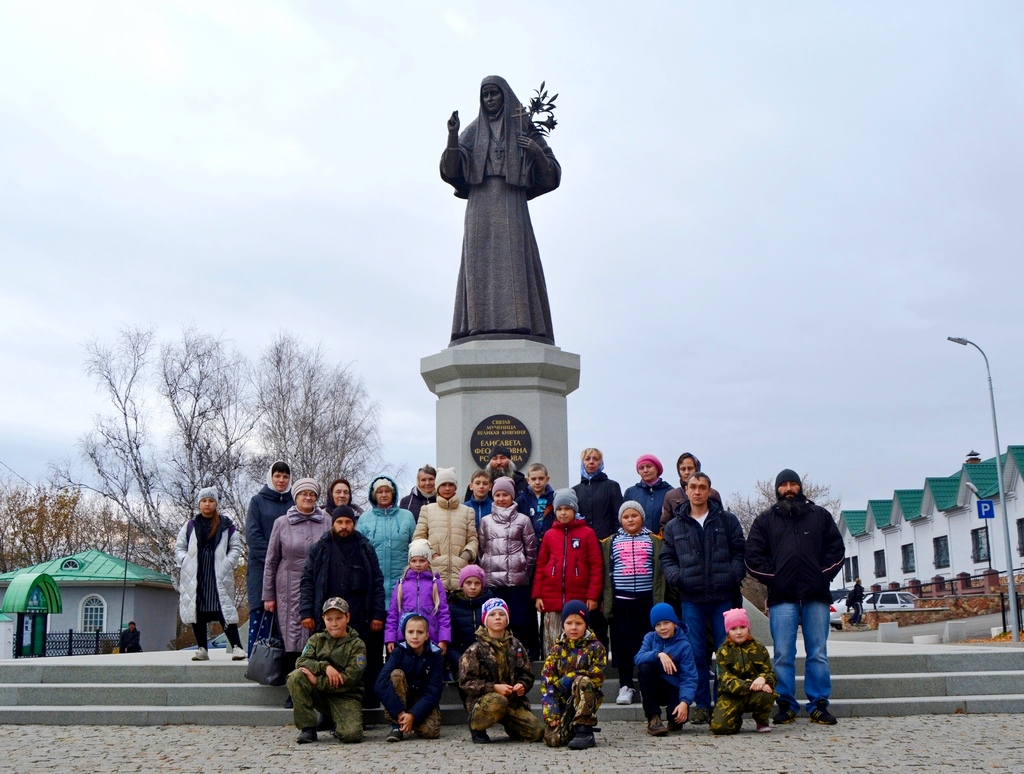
(835, 616)
(889, 600)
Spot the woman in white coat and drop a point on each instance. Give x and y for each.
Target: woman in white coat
(208, 550)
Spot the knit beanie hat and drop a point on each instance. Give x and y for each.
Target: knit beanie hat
(504, 484)
(651, 459)
(787, 476)
(566, 497)
(736, 617)
(494, 603)
(422, 548)
(342, 512)
(446, 476)
(503, 450)
(382, 481)
(209, 492)
(575, 607)
(471, 571)
(663, 611)
(305, 485)
(632, 505)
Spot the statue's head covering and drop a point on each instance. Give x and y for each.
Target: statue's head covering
(477, 135)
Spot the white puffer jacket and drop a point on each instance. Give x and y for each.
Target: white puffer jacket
(226, 557)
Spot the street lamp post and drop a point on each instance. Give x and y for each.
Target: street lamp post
(1011, 580)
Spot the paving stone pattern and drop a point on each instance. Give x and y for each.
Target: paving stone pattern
(926, 743)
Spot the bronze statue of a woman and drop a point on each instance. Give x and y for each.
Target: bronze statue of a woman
(498, 163)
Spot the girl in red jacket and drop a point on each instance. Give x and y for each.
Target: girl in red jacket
(569, 566)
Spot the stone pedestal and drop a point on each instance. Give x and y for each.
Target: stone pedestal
(524, 379)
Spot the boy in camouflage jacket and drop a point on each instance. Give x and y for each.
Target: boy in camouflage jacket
(495, 674)
(746, 680)
(571, 681)
(328, 677)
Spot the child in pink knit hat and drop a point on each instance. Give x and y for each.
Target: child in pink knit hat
(746, 680)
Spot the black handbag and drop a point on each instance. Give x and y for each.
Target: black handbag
(266, 664)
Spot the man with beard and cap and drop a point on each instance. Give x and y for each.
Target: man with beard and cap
(796, 549)
(500, 464)
(343, 563)
(686, 466)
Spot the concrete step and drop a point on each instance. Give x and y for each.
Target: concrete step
(247, 715)
(35, 670)
(923, 684)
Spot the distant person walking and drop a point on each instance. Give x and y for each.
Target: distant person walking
(856, 601)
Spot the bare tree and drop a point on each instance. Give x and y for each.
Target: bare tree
(206, 387)
(197, 392)
(747, 508)
(315, 414)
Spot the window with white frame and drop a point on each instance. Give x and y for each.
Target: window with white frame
(909, 563)
(979, 544)
(94, 613)
(940, 546)
(880, 563)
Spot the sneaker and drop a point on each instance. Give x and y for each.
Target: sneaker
(673, 726)
(655, 727)
(306, 736)
(237, 654)
(396, 735)
(288, 702)
(820, 714)
(700, 716)
(784, 715)
(763, 728)
(583, 739)
(479, 737)
(201, 655)
(625, 696)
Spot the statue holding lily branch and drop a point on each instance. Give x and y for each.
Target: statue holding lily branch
(498, 163)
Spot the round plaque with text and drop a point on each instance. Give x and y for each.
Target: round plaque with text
(501, 430)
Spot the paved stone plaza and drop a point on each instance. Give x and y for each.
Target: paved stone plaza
(925, 743)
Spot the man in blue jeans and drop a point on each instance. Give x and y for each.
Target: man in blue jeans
(703, 560)
(796, 549)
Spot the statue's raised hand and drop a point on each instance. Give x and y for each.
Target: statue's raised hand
(453, 123)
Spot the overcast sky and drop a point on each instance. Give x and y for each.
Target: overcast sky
(771, 215)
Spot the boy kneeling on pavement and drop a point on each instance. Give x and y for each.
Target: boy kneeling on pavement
(666, 672)
(328, 677)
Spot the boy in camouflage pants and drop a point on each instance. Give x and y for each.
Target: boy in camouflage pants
(496, 675)
(746, 679)
(572, 678)
(328, 677)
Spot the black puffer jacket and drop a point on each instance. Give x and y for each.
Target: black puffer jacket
(359, 582)
(266, 507)
(704, 564)
(599, 499)
(795, 552)
(466, 617)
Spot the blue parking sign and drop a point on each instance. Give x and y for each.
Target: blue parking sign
(986, 509)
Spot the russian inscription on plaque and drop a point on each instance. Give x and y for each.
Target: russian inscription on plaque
(501, 430)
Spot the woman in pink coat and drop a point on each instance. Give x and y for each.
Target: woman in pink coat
(290, 540)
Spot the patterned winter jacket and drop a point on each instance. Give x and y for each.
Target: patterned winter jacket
(479, 669)
(740, 665)
(567, 660)
(346, 654)
(450, 527)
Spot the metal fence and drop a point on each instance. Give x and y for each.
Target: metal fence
(72, 643)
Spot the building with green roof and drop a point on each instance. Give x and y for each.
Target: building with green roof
(935, 531)
(100, 592)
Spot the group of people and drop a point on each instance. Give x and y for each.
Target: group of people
(472, 589)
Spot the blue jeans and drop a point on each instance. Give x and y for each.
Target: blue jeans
(696, 617)
(813, 618)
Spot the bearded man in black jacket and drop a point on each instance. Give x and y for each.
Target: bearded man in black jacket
(796, 549)
(343, 564)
